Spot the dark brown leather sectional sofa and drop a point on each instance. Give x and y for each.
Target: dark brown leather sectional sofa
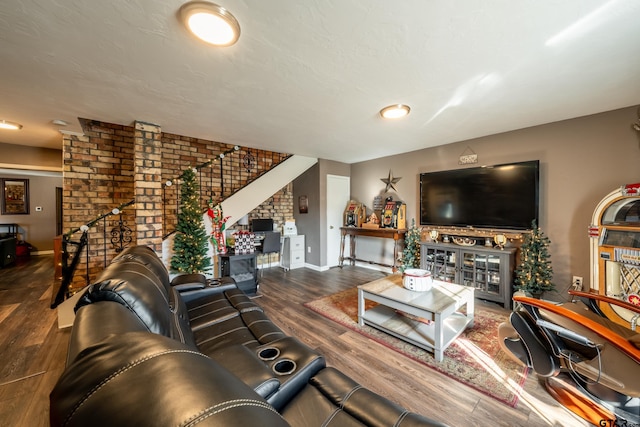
(144, 351)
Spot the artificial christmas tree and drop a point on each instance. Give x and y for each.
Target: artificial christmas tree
(534, 273)
(411, 251)
(191, 242)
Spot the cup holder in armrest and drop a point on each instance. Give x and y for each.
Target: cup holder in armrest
(292, 365)
(284, 367)
(269, 353)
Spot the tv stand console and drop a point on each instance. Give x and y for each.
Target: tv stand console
(489, 270)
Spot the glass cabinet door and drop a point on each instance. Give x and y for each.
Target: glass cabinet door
(441, 263)
(488, 270)
(482, 271)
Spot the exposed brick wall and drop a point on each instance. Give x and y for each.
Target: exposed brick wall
(97, 176)
(148, 185)
(279, 207)
(238, 167)
(113, 164)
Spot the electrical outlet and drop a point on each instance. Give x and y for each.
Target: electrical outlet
(577, 282)
(308, 249)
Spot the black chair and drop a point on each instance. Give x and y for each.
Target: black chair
(588, 362)
(270, 244)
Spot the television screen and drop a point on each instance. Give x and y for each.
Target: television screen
(262, 224)
(500, 196)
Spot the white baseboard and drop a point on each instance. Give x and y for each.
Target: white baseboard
(387, 270)
(49, 252)
(316, 267)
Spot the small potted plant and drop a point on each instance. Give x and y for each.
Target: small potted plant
(534, 273)
(413, 277)
(411, 252)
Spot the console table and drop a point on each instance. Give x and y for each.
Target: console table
(489, 270)
(397, 234)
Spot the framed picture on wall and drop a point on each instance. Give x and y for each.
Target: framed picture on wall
(15, 196)
(303, 204)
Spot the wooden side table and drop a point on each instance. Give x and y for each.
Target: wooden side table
(397, 234)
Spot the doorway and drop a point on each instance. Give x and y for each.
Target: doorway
(338, 195)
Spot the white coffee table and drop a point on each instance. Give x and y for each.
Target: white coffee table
(429, 320)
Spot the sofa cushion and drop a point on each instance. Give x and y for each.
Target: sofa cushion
(136, 287)
(210, 309)
(221, 334)
(136, 379)
(261, 326)
(113, 319)
(333, 399)
(146, 256)
(240, 301)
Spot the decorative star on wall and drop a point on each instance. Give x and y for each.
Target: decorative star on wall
(390, 181)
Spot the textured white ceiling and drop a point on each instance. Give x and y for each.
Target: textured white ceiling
(309, 77)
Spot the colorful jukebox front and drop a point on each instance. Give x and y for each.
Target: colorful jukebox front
(615, 250)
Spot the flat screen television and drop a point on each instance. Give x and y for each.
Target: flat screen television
(262, 224)
(501, 196)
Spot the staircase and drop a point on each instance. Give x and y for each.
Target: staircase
(249, 197)
(236, 206)
(244, 201)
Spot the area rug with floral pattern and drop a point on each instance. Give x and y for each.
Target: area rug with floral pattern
(474, 358)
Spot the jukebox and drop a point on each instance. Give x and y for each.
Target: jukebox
(394, 214)
(354, 214)
(615, 251)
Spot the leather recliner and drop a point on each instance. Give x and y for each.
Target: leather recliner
(143, 353)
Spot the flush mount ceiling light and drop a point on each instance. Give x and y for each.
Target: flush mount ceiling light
(211, 23)
(4, 124)
(395, 111)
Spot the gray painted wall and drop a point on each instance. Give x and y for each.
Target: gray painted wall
(582, 160)
(37, 228)
(308, 184)
(30, 158)
(313, 184)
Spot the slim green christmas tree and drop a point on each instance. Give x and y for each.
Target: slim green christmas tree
(190, 245)
(411, 251)
(534, 272)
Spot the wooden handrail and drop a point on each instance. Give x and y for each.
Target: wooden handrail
(616, 340)
(608, 300)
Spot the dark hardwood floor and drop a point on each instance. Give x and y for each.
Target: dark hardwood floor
(33, 351)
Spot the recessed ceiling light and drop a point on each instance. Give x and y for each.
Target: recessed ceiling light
(59, 122)
(211, 23)
(395, 111)
(4, 124)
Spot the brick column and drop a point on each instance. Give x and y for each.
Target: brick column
(148, 185)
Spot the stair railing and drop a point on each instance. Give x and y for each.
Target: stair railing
(234, 173)
(121, 237)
